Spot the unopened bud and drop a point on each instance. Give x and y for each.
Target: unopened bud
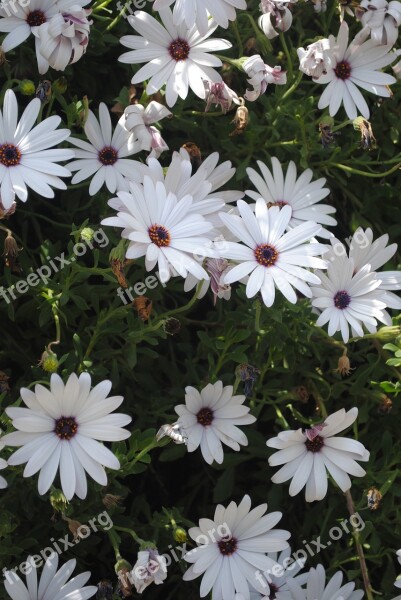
(122, 564)
(49, 362)
(58, 501)
(27, 87)
(60, 85)
(87, 234)
(180, 535)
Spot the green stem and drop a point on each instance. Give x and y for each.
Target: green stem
(287, 55)
(131, 532)
(238, 38)
(115, 542)
(359, 548)
(365, 173)
(258, 311)
(294, 86)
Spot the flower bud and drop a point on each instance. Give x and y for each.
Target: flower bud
(27, 87)
(386, 334)
(122, 564)
(60, 85)
(49, 362)
(87, 234)
(171, 326)
(180, 535)
(58, 501)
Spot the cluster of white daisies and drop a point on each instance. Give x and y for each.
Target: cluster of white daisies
(180, 221)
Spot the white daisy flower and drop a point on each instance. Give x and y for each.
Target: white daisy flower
(65, 37)
(349, 298)
(284, 572)
(180, 179)
(59, 429)
(316, 587)
(397, 582)
(178, 56)
(302, 194)
(231, 549)
(210, 417)
(316, 59)
(307, 454)
(105, 158)
(382, 19)
(197, 12)
(363, 251)
(52, 583)
(24, 18)
(274, 258)
(260, 76)
(139, 121)
(27, 153)
(352, 67)
(149, 568)
(163, 229)
(3, 465)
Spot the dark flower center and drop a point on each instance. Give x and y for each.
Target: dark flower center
(108, 156)
(315, 445)
(66, 428)
(10, 156)
(179, 50)
(342, 300)
(343, 70)
(227, 547)
(205, 416)
(36, 18)
(266, 255)
(159, 236)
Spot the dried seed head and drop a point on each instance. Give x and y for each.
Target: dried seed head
(4, 214)
(180, 535)
(385, 406)
(374, 496)
(171, 326)
(78, 530)
(144, 307)
(111, 501)
(4, 387)
(11, 249)
(302, 394)
(344, 365)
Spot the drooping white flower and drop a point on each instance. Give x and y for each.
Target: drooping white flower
(219, 94)
(163, 229)
(177, 56)
(316, 587)
(149, 568)
(364, 251)
(316, 59)
(27, 154)
(3, 465)
(196, 12)
(231, 549)
(23, 18)
(307, 454)
(59, 432)
(353, 67)
(105, 157)
(65, 37)
(52, 584)
(274, 258)
(276, 18)
(347, 297)
(139, 121)
(260, 76)
(382, 19)
(301, 194)
(210, 417)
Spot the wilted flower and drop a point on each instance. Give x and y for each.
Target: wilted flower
(260, 75)
(344, 366)
(248, 374)
(385, 406)
(104, 590)
(316, 59)
(368, 140)
(78, 530)
(5, 213)
(320, 6)
(111, 500)
(382, 19)
(149, 568)
(241, 120)
(217, 268)
(276, 17)
(171, 326)
(4, 387)
(173, 431)
(44, 91)
(64, 38)
(138, 120)
(373, 496)
(219, 94)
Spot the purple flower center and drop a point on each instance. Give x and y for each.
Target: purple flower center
(179, 49)
(266, 254)
(159, 235)
(205, 417)
(10, 156)
(343, 70)
(108, 156)
(315, 445)
(227, 547)
(36, 18)
(66, 428)
(342, 300)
